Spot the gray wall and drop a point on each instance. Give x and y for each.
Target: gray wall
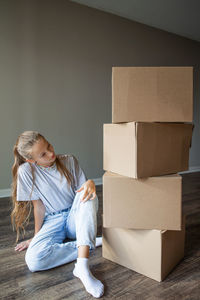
(55, 75)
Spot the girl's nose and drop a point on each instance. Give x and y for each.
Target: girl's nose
(52, 154)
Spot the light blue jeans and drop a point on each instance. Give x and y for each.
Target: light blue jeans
(78, 223)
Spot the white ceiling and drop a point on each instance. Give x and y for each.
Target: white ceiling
(181, 17)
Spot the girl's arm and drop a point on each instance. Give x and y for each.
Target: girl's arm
(39, 212)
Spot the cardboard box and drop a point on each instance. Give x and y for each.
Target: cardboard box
(140, 150)
(151, 203)
(152, 94)
(153, 253)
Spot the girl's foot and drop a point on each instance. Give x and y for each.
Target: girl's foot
(92, 285)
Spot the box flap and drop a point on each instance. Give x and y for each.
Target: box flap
(119, 146)
(162, 148)
(172, 249)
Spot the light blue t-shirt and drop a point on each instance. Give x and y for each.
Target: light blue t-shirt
(55, 194)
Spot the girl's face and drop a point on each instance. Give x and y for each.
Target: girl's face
(43, 153)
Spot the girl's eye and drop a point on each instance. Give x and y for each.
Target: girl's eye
(49, 145)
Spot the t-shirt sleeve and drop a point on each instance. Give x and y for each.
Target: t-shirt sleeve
(79, 174)
(24, 186)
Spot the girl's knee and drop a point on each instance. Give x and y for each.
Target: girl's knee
(31, 262)
(35, 259)
(93, 204)
(89, 206)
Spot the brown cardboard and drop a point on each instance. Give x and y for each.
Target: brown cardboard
(153, 253)
(152, 94)
(140, 150)
(150, 203)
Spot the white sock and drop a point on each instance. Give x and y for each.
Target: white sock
(92, 285)
(98, 241)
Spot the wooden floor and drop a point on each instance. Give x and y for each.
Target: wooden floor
(17, 282)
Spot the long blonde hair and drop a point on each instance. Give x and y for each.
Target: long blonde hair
(21, 212)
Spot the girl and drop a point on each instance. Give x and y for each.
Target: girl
(65, 205)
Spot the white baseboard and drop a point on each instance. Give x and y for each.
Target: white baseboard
(7, 192)
(98, 181)
(191, 170)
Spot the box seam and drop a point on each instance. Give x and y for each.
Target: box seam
(135, 152)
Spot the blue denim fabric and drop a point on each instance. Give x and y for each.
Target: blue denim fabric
(78, 223)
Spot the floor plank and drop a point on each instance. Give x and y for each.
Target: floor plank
(17, 282)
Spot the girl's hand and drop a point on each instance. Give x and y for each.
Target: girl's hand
(89, 190)
(23, 245)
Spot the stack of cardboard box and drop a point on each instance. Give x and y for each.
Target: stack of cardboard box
(145, 146)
